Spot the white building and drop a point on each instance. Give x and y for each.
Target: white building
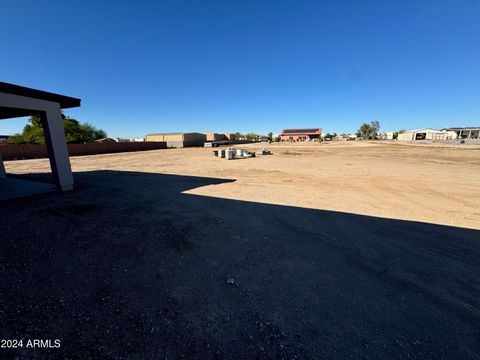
(389, 135)
(427, 134)
(466, 132)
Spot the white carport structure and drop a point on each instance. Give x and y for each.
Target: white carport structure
(467, 132)
(19, 101)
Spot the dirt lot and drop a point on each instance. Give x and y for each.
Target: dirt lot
(432, 184)
(338, 251)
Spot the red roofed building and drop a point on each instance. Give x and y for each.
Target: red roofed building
(304, 134)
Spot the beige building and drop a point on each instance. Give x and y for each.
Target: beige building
(175, 140)
(427, 134)
(215, 137)
(389, 135)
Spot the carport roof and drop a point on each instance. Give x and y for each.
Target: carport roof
(5, 113)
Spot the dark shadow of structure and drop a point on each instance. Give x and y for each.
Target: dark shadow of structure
(130, 266)
(11, 188)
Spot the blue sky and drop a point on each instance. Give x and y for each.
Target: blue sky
(155, 66)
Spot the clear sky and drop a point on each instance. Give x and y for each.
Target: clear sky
(200, 65)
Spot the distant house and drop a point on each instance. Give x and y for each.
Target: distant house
(3, 139)
(427, 134)
(301, 134)
(104, 140)
(124, 140)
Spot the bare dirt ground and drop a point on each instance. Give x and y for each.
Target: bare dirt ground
(335, 251)
(431, 183)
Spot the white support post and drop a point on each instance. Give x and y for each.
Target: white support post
(57, 148)
(51, 115)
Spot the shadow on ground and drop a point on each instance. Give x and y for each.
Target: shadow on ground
(127, 266)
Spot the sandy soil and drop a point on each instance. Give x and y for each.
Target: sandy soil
(435, 184)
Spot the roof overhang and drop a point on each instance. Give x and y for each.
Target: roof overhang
(65, 102)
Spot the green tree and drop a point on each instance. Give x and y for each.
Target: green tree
(270, 136)
(15, 139)
(238, 136)
(369, 131)
(251, 136)
(75, 132)
(330, 136)
(375, 126)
